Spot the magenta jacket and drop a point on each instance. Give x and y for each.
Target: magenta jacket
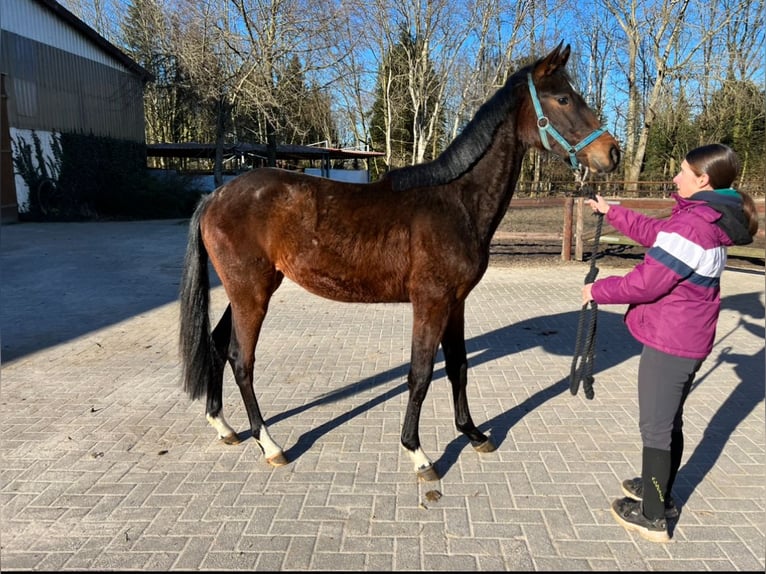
(674, 295)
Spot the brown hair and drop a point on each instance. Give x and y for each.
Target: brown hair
(721, 165)
(751, 212)
(718, 161)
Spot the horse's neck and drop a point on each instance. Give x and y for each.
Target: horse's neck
(490, 185)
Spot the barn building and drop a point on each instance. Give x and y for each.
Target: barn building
(59, 75)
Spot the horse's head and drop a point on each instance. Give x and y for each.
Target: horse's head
(557, 118)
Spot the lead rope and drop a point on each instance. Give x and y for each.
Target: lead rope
(585, 349)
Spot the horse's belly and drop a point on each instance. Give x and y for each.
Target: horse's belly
(349, 284)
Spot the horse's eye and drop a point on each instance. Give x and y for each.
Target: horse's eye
(563, 101)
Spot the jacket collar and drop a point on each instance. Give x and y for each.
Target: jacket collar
(722, 209)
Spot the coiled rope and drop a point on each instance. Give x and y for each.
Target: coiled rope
(584, 354)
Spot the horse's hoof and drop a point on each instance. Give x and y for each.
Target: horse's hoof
(230, 439)
(427, 474)
(486, 446)
(278, 459)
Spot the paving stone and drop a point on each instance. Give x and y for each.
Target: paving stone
(107, 465)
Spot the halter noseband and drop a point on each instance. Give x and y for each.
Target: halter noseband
(546, 128)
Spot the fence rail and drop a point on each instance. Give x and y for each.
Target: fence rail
(573, 228)
(627, 189)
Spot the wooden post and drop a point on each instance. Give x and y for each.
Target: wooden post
(566, 240)
(579, 229)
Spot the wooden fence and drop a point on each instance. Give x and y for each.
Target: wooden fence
(573, 228)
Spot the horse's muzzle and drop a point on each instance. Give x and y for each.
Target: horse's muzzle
(605, 163)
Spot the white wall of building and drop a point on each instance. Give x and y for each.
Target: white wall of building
(46, 146)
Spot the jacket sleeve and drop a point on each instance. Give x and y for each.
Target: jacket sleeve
(647, 282)
(672, 259)
(639, 227)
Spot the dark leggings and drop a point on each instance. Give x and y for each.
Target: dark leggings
(664, 382)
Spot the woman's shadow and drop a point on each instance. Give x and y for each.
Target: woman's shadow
(748, 393)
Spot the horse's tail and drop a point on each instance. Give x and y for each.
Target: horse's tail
(198, 354)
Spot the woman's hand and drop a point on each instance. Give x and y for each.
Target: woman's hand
(587, 296)
(599, 205)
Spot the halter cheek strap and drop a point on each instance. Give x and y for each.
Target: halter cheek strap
(546, 129)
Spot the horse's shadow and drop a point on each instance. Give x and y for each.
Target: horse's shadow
(556, 334)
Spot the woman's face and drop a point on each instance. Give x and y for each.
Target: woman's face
(688, 183)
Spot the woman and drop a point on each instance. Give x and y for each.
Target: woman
(673, 299)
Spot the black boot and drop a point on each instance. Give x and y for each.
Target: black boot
(634, 488)
(676, 454)
(627, 512)
(647, 517)
(655, 476)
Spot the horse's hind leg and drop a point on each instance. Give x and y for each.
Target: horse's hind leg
(456, 365)
(214, 407)
(247, 320)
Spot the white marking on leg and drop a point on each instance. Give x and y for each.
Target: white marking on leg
(269, 447)
(419, 458)
(220, 425)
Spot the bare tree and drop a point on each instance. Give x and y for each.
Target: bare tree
(101, 15)
(438, 25)
(147, 37)
(663, 38)
(203, 33)
(273, 34)
(352, 80)
(237, 53)
(731, 93)
(460, 53)
(632, 58)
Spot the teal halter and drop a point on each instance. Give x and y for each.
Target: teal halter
(546, 129)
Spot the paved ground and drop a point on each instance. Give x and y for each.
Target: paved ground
(107, 465)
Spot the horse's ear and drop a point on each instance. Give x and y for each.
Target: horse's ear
(558, 58)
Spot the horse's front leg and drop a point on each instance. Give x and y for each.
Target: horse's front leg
(456, 365)
(426, 332)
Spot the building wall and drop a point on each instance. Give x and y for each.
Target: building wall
(59, 80)
(52, 90)
(61, 76)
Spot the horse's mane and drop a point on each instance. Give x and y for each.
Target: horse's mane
(466, 149)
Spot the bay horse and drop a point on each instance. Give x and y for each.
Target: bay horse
(420, 234)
